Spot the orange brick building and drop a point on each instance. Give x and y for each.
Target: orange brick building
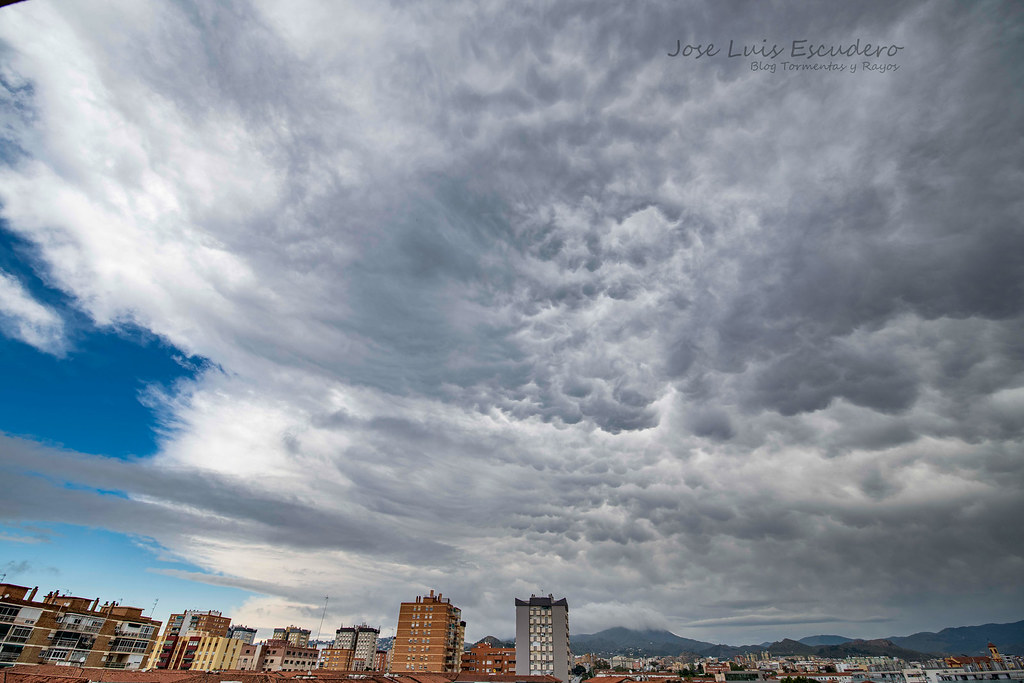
(72, 631)
(482, 658)
(430, 636)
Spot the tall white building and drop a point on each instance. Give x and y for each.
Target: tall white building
(542, 637)
(362, 639)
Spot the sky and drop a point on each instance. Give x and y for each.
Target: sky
(359, 300)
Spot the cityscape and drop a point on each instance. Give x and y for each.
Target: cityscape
(70, 639)
(511, 341)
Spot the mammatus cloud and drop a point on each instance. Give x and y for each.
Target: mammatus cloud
(501, 302)
(24, 318)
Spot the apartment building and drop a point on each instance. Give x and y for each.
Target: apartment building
(482, 658)
(243, 633)
(542, 637)
(217, 653)
(194, 621)
(67, 630)
(362, 640)
(298, 637)
(337, 658)
(284, 655)
(430, 636)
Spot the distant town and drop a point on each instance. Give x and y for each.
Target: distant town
(60, 638)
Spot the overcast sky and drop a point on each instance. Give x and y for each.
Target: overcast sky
(364, 299)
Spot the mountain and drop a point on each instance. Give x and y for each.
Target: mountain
(869, 648)
(825, 640)
(495, 642)
(649, 643)
(967, 640)
(788, 646)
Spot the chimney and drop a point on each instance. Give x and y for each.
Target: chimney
(95, 604)
(32, 594)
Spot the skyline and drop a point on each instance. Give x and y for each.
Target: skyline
(312, 299)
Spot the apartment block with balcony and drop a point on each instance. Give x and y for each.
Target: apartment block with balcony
(72, 631)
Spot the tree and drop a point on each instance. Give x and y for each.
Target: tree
(580, 670)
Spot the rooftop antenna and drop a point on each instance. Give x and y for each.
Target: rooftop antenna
(152, 610)
(320, 628)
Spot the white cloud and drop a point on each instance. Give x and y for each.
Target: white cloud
(24, 318)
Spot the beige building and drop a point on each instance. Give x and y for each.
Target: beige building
(71, 631)
(216, 653)
(430, 636)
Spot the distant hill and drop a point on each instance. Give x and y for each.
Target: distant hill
(650, 643)
(824, 640)
(968, 640)
(495, 642)
(869, 648)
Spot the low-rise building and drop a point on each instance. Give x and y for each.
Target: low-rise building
(483, 658)
(283, 655)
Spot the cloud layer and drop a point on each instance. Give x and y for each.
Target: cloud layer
(505, 300)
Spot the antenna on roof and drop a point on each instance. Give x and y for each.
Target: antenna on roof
(152, 610)
(326, 598)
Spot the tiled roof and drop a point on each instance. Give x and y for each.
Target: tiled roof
(470, 677)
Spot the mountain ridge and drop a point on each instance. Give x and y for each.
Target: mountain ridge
(969, 640)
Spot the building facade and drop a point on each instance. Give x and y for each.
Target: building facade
(284, 655)
(298, 637)
(362, 640)
(210, 621)
(482, 658)
(72, 631)
(243, 633)
(430, 636)
(217, 653)
(337, 658)
(542, 637)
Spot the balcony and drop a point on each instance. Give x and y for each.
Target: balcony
(138, 647)
(83, 627)
(55, 655)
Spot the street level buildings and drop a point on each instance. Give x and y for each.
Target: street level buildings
(72, 631)
(430, 636)
(542, 637)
